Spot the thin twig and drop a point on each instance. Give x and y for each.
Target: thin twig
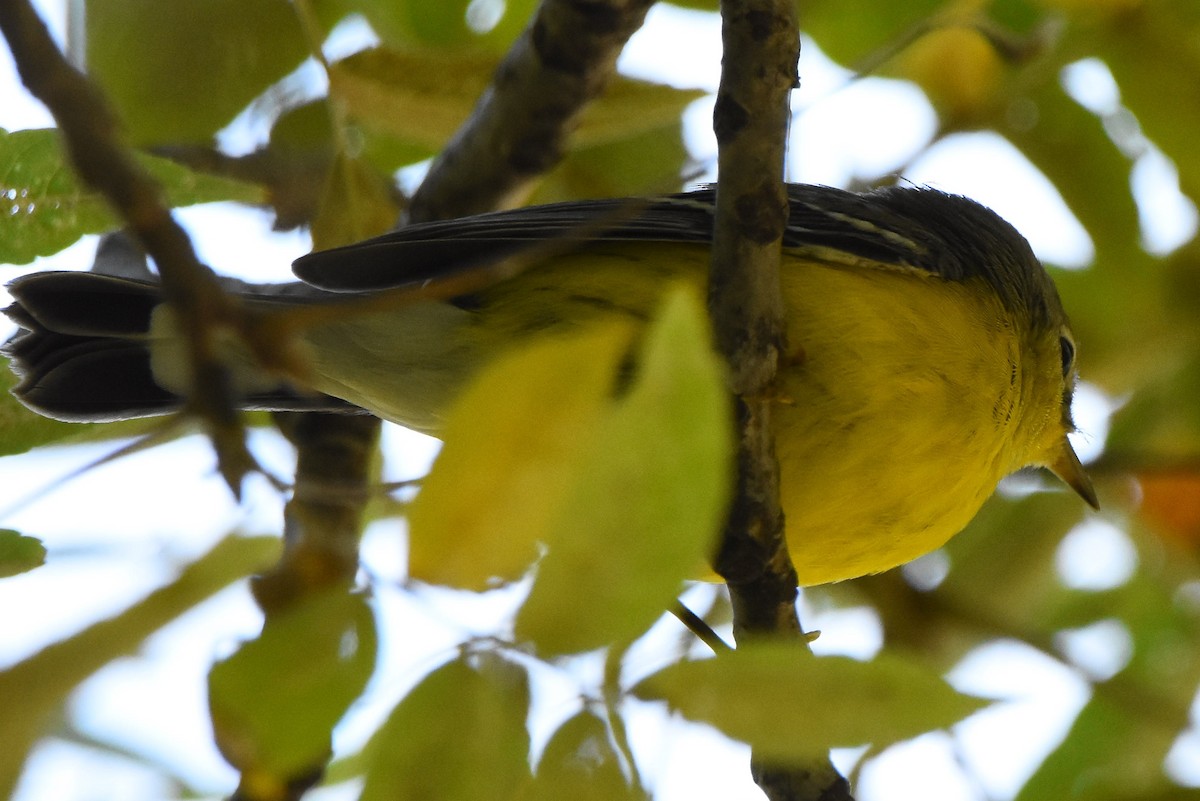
(91, 133)
(698, 626)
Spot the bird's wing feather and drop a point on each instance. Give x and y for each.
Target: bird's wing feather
(945, 235)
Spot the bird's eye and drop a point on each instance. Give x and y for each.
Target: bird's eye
(1067, 347)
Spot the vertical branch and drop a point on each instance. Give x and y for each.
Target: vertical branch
(761, 41)
(323, 519)
(750, 120)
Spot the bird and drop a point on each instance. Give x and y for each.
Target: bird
(935, 356)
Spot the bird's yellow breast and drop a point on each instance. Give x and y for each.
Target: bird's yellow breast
(898, 415)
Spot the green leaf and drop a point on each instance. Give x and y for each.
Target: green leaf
(442, 24)
(1161, 418)
(48, 209)
(19, 554)
(421, 99)
(356, 205)
(276, 700)
(423, 26)
(629, 108)
(850, 30)
(698, 5)
(506, 466)
(178, 70)
(305, 133)
(1151, 50)
(38, 686)
(648, 499)
(580, 763)
(640, 164)
(424, 98)
(458, 736)
(1022, 582)
(788, 704)
(1109, 753)
(626, 493)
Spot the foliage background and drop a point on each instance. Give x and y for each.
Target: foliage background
(1101, 98)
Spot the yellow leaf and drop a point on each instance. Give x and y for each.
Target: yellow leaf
(959, 69)
(648, 498)
(789, 704)
(503, 473)
(355, 205)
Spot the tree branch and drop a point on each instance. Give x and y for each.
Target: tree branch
(519, 128)
(761, 40)
(90, 131)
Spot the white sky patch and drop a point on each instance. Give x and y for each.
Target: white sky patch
(986, 167)
(1004, 744)
(1101, 649)
(1096, 556)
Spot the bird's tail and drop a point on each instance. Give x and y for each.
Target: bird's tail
(82, 353)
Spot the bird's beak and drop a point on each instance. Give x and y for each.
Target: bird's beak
(1067, 467)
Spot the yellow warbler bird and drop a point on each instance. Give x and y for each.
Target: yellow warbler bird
(933, 354)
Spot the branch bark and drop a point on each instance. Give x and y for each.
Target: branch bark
(92, 137)
(760, 40)
(519, 129)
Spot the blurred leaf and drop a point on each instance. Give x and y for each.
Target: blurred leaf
(37, 686)
(1159, 680)
(305, 132)
(1171, 501)
(517, 15)
(580, 763)
(178, 71)
(304, 128)
(1118, 743)
(1161, 419)
(184, 187)
(459, 735)
(631, 108)
(648, 498)
(424, 98)
(439, 24)
(421, 99)
(960, 71)
(49, 209)
(276, 700)
(1105, 755)
(698, 5)
(1069, 145)
(1003, 564)
(1152, 54)
(850, 30)
(19, 554)
(788, 704)
(462, 25)
(499, 483)
(357, 204)
(625, 493)
(644, 164)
